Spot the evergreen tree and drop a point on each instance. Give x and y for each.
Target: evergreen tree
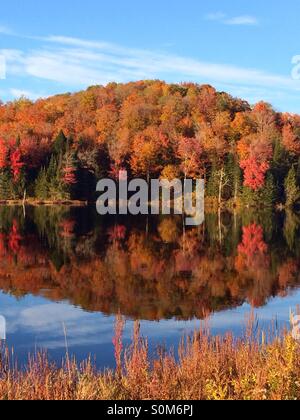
(19, 186)
(291, 226)
(42, 185)
(52, 168)
(265, 197)
(268, 192)
(292, 191)
(6, 185)
(212, 183)
(298, 172)
(280, 167)
(249, 197)
(234, 174)
(54, 173)
(60, 144)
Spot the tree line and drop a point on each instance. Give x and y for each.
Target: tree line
(57, 148)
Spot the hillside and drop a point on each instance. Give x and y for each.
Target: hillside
(57, 148)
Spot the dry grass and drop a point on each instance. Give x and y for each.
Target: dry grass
(208, 368)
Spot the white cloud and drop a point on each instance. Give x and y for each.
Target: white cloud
(5, 30)
(87, 62)
(218, 16)
(18, 93)
(77, 63)
(242, 20)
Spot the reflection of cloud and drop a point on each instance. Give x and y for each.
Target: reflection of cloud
(43, 316)
(37, 321)
(47, 321)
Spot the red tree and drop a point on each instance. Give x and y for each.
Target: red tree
(254, 173)
(256, 149)
(16, 164)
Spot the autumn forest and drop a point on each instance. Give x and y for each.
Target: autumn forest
(56, 149)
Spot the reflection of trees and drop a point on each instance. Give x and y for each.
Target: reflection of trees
(164, 273)
(168, 230)
(253, 264)
(287, 274)
(291, 226)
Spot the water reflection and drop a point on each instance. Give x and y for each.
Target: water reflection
(148, 268)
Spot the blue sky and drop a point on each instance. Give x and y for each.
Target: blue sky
(245, 48)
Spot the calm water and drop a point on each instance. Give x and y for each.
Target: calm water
(70, 267)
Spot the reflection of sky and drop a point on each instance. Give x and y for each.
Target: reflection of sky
(34, 322)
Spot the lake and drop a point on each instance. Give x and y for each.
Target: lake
(69, 270)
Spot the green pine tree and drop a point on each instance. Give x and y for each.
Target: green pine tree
(60, 144)
(298, 172)
(54, 171)
(212, 183)
(268, 192)
(292, 191)
(19, 187)
(281, 164)
(42, 186)
(52, 168)
(235, 177)
(6, 185)
(249, 197)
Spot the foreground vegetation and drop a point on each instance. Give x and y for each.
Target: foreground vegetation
(208, 368)
(57, 148)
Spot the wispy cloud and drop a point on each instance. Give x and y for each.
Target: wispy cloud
(18, 93)
(75, 61)
(216, 16)
(242, 20)
(5, 30)
(72, 63)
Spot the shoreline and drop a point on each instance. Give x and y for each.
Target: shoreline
(37, 203)
(210, 205)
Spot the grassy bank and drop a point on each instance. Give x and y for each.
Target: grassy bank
(208, 368)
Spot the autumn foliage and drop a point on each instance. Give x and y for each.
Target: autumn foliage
(254, 173)
(58, 146)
